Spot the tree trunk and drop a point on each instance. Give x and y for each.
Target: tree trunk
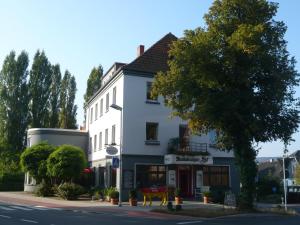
(245, 158)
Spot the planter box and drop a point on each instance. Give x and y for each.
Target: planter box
(114, 201)
(178, 200)
(132, 202)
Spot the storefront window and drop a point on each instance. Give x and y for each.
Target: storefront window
(216, 176)
(150, 175)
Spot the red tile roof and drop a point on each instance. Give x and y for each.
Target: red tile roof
(154, 59)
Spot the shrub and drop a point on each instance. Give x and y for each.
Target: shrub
(69, 191)
(133, 194)
(207, 194)
(44, 189)
(66, 163)
(114, 194)
(265, 186)
(34, 160)
(177, 192)
(218, 193)
(107, 191)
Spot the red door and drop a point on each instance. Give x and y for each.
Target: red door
(184, 182)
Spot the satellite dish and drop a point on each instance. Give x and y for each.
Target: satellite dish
(111, 150)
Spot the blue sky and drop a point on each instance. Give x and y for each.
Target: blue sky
(82, 34)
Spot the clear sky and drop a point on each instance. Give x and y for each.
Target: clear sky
(82, 34)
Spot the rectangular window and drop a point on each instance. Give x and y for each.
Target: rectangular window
(90, 145)
(106, 137)
(101, 107)
(149, 97)
(114, 100)
(151, 131)
(150, 175)
(216, 176)
(107, 102)
(96, 111)
(100, 140)
(113, 134)
(95, 143)
(91, 115)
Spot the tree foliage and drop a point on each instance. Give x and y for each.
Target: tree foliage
(68, 109)
(66, 163)
(297, 174)
(54, 96)
(40, 90)
(34, 160)
(93, 83)
(14, 101)
(237, 77)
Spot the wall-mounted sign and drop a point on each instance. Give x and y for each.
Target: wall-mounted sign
(172, 178)
(111, 150)
(188, 159)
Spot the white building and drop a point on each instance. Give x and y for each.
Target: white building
(156, 149)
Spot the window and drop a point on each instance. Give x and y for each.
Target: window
(150, 175)
(151, 131)
(107, 102)
(149, 97)
(91, 115)
(90, 145)
(113, 134)
(95, 143)
(101, 107)
(96, 111)
(100, 140)
(106, 137)
(216, 176)
(114, 100)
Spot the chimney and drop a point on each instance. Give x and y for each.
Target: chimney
(140, 50)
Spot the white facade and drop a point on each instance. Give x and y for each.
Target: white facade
(131, 95)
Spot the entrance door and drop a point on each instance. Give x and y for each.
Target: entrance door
(184, 182)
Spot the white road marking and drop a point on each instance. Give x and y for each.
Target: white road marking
(38, 208)
(190, 222)
(19, 207)
(29, 221)
(6, 208)
(3, 216)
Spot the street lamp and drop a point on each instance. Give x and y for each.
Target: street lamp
(284, 179)
(119, 108)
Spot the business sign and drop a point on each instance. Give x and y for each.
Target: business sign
(188, 159)
(115, 162)
(111, 150)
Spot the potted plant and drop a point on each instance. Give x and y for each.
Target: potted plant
(133, 197)
(114, 197)
(178, 199)
(206, 197)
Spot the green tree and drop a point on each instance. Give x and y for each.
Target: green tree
(68, 109)
(66, 163)
(34, 160)
(235, 76)
(14, 101)
(54, 97)
(40, 90)
(297, 174)
(93, 83)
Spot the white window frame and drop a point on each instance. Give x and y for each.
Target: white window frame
(95, 142)
(101, 107)
(106, 137)
(113, 134)
(96, 111)
(114, 100)
(107, 102)
(100, 140)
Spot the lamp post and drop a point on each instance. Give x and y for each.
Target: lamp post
(284, 181)
(119, 108)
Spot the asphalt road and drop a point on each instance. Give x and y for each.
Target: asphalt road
(28, 215)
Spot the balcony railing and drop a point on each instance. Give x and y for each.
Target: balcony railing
(186, 147)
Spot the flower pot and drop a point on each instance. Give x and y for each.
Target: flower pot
(132, 202)
(178, 200)
(114, 201)
(206, 200)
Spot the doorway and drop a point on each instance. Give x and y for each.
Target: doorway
(184, 180)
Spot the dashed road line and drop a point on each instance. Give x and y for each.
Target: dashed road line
(29, 221)
(20, 207)
(6, 208)
(190, 222)
(4, 216)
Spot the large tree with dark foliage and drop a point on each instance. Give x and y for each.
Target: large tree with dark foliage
(54, 97)
(68, 109)
(40, 90)
(235, 76)
(93, 83)
(14, 101)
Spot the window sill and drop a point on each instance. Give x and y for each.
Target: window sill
(154, 102)
(152, 142)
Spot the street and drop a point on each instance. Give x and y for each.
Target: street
(11, 214)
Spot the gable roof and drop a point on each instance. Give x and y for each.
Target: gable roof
(155, 58)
